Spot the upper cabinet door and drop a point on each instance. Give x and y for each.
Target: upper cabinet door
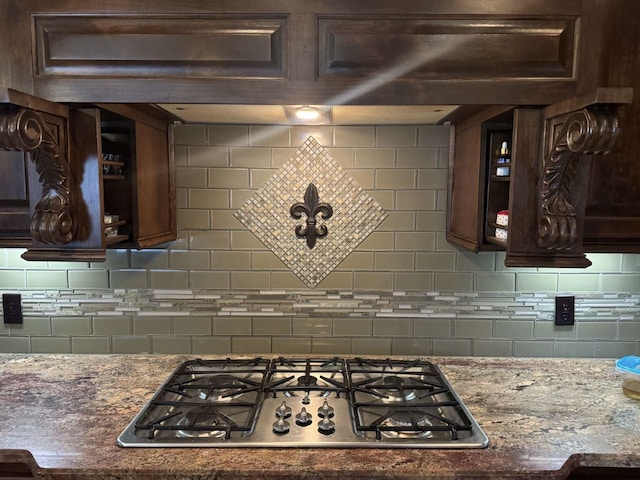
(467, 179)
(155, 188)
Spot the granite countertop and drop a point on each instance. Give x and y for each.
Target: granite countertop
(543, 417)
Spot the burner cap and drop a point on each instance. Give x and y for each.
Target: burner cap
(202, 417)
(307, 380)
(403, 419)
(396, 389)
(220, 388)
(393, 381)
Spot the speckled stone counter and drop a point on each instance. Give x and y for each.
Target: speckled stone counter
(543, 417)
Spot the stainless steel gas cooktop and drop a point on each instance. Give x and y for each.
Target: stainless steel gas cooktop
(305, 402)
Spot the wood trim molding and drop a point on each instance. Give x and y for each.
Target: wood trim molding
(575, 130)
(53, 221)
(589, 131)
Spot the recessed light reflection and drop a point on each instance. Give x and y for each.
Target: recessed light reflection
(307, 113)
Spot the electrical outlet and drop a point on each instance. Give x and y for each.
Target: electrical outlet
(12, 307)
(565, 310)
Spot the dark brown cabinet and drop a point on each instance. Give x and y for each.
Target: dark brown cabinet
(548, 185)
(127, 177)
(120, 185)
(479, 187)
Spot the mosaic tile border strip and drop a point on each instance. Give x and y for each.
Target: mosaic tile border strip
(303, 304)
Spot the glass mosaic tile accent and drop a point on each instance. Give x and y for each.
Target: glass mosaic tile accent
(355, 213)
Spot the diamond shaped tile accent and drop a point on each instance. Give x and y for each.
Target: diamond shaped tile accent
(355, 213)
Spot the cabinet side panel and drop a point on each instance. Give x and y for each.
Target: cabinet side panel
(465, 194)
(155, 188)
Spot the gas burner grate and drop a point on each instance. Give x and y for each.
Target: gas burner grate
(291, 375)
(403, 399)
(207, 399)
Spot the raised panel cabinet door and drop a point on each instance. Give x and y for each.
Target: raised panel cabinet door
(155, 204)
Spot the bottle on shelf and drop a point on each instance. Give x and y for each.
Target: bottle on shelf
(504, 160)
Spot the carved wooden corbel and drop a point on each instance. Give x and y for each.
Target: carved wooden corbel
(53, 221)
(589, 131)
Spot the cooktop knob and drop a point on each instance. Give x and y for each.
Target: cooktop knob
(281, 426)
(303, 418)
(283, 410)
(326, 426)
(325, 411)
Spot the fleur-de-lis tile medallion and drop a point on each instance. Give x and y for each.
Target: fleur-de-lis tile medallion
(268, 213)
(311, 207)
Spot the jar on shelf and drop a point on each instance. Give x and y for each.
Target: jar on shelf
(502, 218)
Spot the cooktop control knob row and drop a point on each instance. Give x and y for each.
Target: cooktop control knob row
(326, 426)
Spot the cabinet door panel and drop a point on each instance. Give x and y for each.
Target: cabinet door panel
(85, 124)
(14, 199)
(467, 181)
(522, 199)
(155, 188)
(465, 190)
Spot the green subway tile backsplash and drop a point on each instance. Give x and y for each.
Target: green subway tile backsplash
(288, 345)
(194, 135)
(396, 136)
(417, 157)
(371, 346)
(99, 345)
(492, 348)
(208, 156)
(15, 345)
(433, 136)
(171, 345)
(210, 345)
(404, 290)
(381, 158)
(228, 135)
(574, 349)
(251, 157)
(360, 136)
(269, 135)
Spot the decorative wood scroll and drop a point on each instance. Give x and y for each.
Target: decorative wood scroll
(589, 131)
(311, 207)
(53, 220)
